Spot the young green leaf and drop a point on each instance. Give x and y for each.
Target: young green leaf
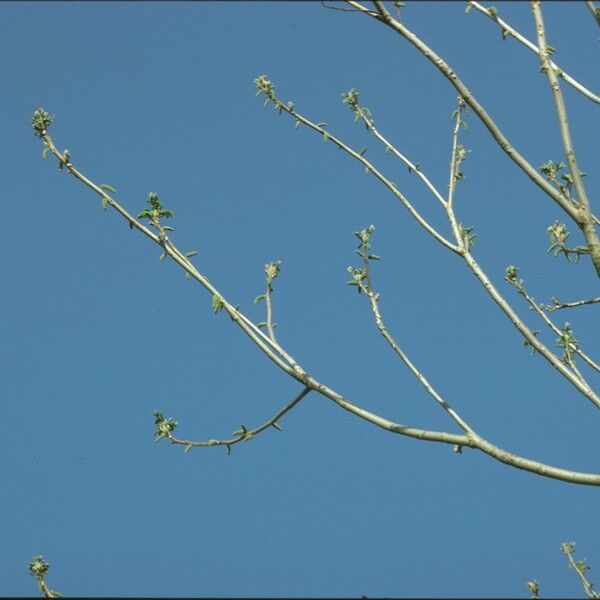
(217, 303)
(107, 188)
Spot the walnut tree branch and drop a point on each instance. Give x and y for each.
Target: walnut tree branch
(583, 216)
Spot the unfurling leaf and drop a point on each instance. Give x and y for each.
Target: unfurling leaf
(217, 303)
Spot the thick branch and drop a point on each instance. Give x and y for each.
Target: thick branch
(248, 434)
(385, 17)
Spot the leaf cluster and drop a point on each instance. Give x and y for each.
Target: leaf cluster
(40, 121)
(164, 427)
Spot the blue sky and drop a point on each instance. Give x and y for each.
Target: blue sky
(97, 334)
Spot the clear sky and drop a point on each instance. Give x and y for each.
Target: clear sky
(96, 333)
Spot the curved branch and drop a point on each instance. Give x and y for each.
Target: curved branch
(289, 366)
(245, 436)
(386, 18)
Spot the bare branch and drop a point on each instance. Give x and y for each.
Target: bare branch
(385, 17)
(584, 215)
(557, 305)
(412, 167)
(505, 27)
(244, 435)
(270, 348)
(539, 310)
(527, 333)
(343, 9)
(595, 10)
(580, 568)
(289, 366)
(369, 168)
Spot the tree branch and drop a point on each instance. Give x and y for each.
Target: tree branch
(387, 19)
(595, 10)
(584, 215)
(557, 305)
(244, 435)
(289, 366)
(266, 87)
(505, 27)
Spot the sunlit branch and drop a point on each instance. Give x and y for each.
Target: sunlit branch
(533, 341)
(385, 17)
(505, 27)
(539, 310)
(289, 366)
(557, 305)
(271, 349)
(371, 169)
(595, 10)
(580, 567)
(412, 167)
(374, 301)
(584, 216)
(455, 160)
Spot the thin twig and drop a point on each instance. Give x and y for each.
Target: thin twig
(540, 311)
(455, 161)
(527, 333)
(271, 349)
(374, 301)
(412, 167)
(248, 434)
(371, 169)
(580, 568)
(338, 8)
(558, 305)
(595, 10)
